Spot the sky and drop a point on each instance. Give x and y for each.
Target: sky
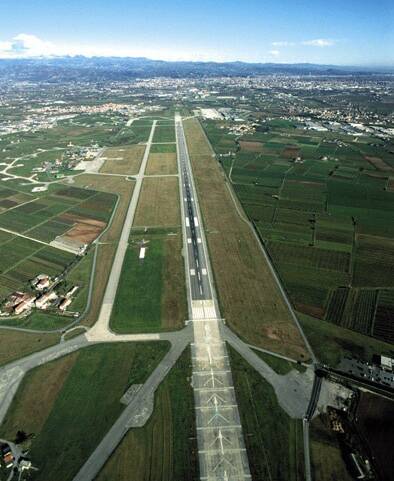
(338, 32)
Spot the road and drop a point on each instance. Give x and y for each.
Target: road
(102, 325)
(221, 448)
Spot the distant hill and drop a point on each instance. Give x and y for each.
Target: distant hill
(61, 69)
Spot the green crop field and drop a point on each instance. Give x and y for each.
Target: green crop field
(64, 405)
(320, 204)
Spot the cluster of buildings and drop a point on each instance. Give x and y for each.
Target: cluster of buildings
(69, 160)
(13, 458)
(42, 297)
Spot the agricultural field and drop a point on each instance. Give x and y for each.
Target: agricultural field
(320, 204)
(158, 204)
(21, 260)
(124, 160)
(249, 298)
(166, 447)
(151, 296)
(81, 214)
(33, 234)
(66, 396)
(375, 423)
(273, 439)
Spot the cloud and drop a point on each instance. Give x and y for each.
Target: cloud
(25, 45)
(319, 42)
(283, 44)
(274, 53)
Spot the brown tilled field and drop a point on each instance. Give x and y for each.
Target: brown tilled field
(123, 160)
(84, 230)
(163, 163)
(158, 204)
(251, 146)
(290, 152)
(378, 163)
(249, 297)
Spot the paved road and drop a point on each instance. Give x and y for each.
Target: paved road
(221, 448)
(102, 325)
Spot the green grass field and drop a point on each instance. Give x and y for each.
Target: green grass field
(273, 440)
(280, 366)
(164, 133)
(163, 148)
(76, 404)
(151, 294)
(165, 448)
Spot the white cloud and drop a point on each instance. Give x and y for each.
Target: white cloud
(274, 53)
(29, 46)
(25, 45)
(319, 42)
(284, 43)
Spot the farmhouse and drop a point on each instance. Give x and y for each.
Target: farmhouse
(65, 303)
(42, 281)
(43, 301)
(25, 304)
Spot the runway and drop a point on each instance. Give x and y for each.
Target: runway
(221, 448)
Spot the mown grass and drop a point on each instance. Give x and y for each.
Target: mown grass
(273, 439)
(83, 407)
(163, 148)
(15, 345)
(158, 204)
(280, 366)
(151, 294)
(164, 133)
(165, 448)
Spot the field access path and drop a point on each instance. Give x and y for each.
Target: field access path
(221, 448)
